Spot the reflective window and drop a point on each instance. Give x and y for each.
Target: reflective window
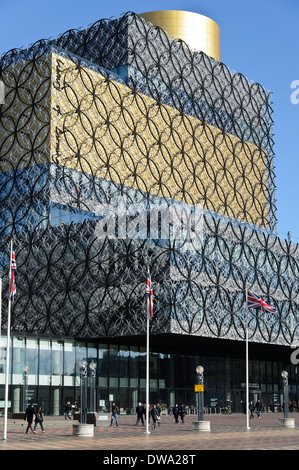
(124, 366)
(134, 369)
(18, 359)
(57, 362)
(32, 360)
(142, 367)
(45, 364)
(81, 355)
(69, 363)
(113, 365)
(103, 365)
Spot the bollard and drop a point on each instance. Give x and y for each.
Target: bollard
(201, 426)
(83, 430)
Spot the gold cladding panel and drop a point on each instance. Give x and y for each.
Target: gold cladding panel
(104, 129)
(25, 114)
(198, 31)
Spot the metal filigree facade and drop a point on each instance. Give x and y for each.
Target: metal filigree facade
(120, 112)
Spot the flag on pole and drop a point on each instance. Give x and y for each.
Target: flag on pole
(254, 302)
(12, 293)
(13, 272)
(149, 293)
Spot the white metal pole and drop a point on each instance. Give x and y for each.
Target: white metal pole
(1, 318)
(147, 373)
(0, 312)
(7, 354)
(247, 368)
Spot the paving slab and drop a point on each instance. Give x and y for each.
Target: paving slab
(227, 432)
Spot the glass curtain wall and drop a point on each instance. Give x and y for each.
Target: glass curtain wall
(53, 377)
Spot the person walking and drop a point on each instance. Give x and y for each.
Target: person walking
(182, 413)
(175, 411)
(258, 408)
(140, 412)
(29, 413)
(114, 413)
(76, 408)
(39, 419)
(154, 415)
(149, 414)
(251, 409)
(67, 410)
(159, 414)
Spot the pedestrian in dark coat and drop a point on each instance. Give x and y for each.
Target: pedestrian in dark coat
(39, 418)
(114, 413)
(258, 408)
(159, 414)
(154, 415)
(29, 413)
(182, 412)
(175, 411)
(149, 413)
(67, 410)
(251, 409)
(140, 412)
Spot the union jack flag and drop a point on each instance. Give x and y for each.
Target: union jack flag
(149, 293)
(13, 273)
(253, 302)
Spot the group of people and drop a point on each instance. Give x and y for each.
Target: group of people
(30, 413)
(154, 413)
(67, 409)
(36, 415)
(257, 407)
(179, 411)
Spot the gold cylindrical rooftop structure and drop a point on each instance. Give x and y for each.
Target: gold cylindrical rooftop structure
(198, 31)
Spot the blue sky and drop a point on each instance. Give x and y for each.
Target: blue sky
(259, 38)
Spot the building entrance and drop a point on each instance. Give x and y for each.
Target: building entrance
(239, 398)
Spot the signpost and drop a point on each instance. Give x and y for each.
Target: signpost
(200, 388)
(201, 424)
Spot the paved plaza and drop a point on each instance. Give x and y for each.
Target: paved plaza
(228, 432)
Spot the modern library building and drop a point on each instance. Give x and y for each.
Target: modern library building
(125, 146)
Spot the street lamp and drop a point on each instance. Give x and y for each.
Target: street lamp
(92, 367)
(25, 387)
(83, 377)
(200, 371)
(285, 382)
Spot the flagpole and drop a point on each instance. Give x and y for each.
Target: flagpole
(252, 301)
(147, 373)
(1, 317)
(247, 366)
(148, 314)
(7, 352)
(0, 314)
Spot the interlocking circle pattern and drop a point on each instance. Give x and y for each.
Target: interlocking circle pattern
(121, 112)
